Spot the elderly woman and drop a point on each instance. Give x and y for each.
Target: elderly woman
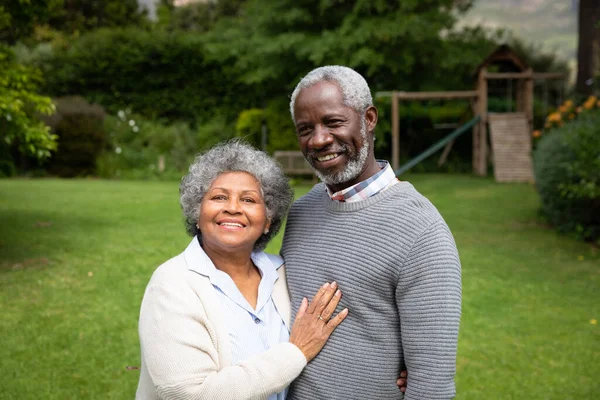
(214, 321)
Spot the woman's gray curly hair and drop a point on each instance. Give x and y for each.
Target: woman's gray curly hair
(236, 156)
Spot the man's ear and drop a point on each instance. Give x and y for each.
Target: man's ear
(371, 116)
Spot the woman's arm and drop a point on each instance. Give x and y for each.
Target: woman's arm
(183, 362)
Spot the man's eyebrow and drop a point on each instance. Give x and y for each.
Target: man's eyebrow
(332, 116)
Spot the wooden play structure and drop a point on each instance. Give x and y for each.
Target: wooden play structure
(510, 132)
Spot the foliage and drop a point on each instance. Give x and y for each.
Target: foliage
(144, 149)
(20, 19)
(272, 44)
(567, 171)
(199, 16)
(211, 59)
(177, 82)
(20, 101)
(281, 134)
(569, 111)
(81, 137)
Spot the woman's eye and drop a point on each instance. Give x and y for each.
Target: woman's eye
(249, 200)
(219, 197)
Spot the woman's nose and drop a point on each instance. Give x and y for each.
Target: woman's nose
(232, 206)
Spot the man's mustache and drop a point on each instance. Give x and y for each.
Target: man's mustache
(313, 154)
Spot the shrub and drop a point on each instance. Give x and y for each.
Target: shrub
(20, 101)
(81, 136)
(567, 173)
(281, 134)
(152, 149)
(157, 74)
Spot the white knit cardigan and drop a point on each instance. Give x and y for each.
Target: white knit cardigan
(186, 353)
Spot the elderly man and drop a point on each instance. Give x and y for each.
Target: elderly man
(384, 243)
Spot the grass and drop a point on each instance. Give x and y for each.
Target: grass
(75, 256)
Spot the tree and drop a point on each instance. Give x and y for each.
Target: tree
(19, 102)
(588, 53)
(392, 43)
(196, 16)
(19, 19)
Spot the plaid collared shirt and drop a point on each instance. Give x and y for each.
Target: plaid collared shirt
(369, 187)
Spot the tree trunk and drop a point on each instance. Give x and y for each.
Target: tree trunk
(589, 43)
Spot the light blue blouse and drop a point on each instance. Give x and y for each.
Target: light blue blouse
(251, 331)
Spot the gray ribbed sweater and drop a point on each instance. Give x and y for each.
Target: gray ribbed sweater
(397, 266)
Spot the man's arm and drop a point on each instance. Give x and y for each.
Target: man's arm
(428, 295)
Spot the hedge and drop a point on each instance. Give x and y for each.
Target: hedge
(567, 173)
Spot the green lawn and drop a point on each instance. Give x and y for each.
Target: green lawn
(76, 255)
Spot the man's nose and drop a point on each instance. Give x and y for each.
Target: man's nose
(321, 137)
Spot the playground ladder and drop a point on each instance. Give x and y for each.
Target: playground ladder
(511, 145)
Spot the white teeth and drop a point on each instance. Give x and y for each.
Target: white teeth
(327, 157)
(231, 224)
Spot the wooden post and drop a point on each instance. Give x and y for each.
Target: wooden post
(482, 102)
(395, 132)
(528, 99)
(475, 156)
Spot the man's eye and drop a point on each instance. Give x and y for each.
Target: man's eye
(304, 131)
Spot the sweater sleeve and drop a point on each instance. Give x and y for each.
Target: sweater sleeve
(428, 296)
(183, 362)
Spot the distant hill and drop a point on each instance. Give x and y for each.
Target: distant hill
(551, 23)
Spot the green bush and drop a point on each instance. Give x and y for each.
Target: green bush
(81, 136)
(567, 173)
(157, 74)
(20, 105)
(281, 134)
(150, 149)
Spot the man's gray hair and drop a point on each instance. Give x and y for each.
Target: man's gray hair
(236, 156)
(354, 88)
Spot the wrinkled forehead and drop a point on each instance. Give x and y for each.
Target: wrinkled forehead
(321, 98)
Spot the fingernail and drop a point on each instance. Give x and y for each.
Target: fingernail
(338, 293)
(334, 285)
(345, 311)
(326, 285)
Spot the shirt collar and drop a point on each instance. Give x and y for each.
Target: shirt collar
(198, 261)
(369, 187)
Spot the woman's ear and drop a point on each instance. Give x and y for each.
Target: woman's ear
(267, 226)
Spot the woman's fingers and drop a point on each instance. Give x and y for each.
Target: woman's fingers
(327, 312)
(303, 307)
(313, 326)
(317, 297)
(320, 304)
(322, 298)
(335, 321)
